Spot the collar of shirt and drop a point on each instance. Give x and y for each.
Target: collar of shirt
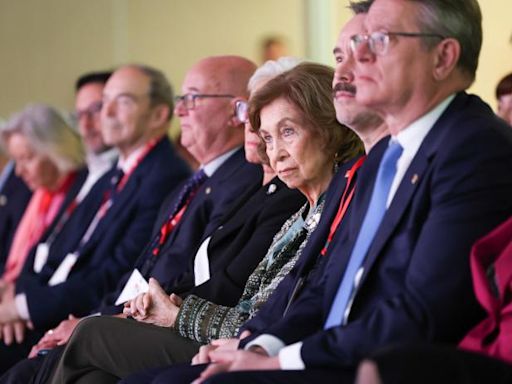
(96, 163)
(213, 165)
(410, 138)
(126, 164)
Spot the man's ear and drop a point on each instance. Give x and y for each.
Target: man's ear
(235, 119)
(160, 115)
(447, 54)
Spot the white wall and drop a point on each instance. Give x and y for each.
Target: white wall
(46, 44)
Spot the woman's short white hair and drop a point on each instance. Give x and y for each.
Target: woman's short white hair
(271, 69)
(49, 134)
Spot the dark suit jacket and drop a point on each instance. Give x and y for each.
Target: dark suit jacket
(14, 198)
(114, 246)
(202, 217)
(241, 241)
(416, 284)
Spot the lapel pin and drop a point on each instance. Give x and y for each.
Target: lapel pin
(271, 189)
(208, 190)
(3, 200)
(414, 178)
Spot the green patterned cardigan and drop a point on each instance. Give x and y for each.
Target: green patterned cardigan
(204, 321)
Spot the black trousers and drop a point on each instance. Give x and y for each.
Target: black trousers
(33, 371)
(10, 355)
(428, 364)
(186, 373)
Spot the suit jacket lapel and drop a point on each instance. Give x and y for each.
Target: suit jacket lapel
(113, 213)
(128, 192)
(401, 200)
(412, 179)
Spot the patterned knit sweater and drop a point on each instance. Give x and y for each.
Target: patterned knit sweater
(204, 321)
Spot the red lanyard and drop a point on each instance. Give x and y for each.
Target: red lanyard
(147, 148)
(167, 228)
(346, 198)
(108, 199)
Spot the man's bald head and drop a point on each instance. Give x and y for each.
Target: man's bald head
(227, 74)
(208, 123)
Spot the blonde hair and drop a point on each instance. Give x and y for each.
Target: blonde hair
(49, 134)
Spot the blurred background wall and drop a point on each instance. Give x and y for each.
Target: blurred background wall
(46, 44)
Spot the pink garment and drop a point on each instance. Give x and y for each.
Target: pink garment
(491, 263)
(39, 214)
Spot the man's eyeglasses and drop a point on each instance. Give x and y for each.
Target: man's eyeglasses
(378, 42)
(189, 99)
(242, 111)
(90, 112)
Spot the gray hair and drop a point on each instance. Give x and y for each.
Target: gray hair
(271, 69)
(160, 90)
(458, 19)
(267, 71)
(49, 135)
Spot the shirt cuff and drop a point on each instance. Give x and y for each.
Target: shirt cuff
(92, 315)
(271, 344)
(20, 301)
(290, 358)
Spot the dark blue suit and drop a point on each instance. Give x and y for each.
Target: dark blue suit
(416, 284)
(202, 216)
(14, 198)
(112, 249)
(114, 245)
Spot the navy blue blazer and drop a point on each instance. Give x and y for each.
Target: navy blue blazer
(237, 246)
(114, 245)
(14, 198)
(416, 284)
(202, 217)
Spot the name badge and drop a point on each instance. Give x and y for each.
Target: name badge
(62, 273)
(135, 285)
(42, 252)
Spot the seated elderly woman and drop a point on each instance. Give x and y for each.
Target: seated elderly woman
(296, 120)
(47, 154)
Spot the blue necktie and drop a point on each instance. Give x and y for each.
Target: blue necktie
(371, 222)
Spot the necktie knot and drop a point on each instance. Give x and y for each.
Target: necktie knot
(198, 178)
(391, 156)
(189, 189)
(116, 177)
